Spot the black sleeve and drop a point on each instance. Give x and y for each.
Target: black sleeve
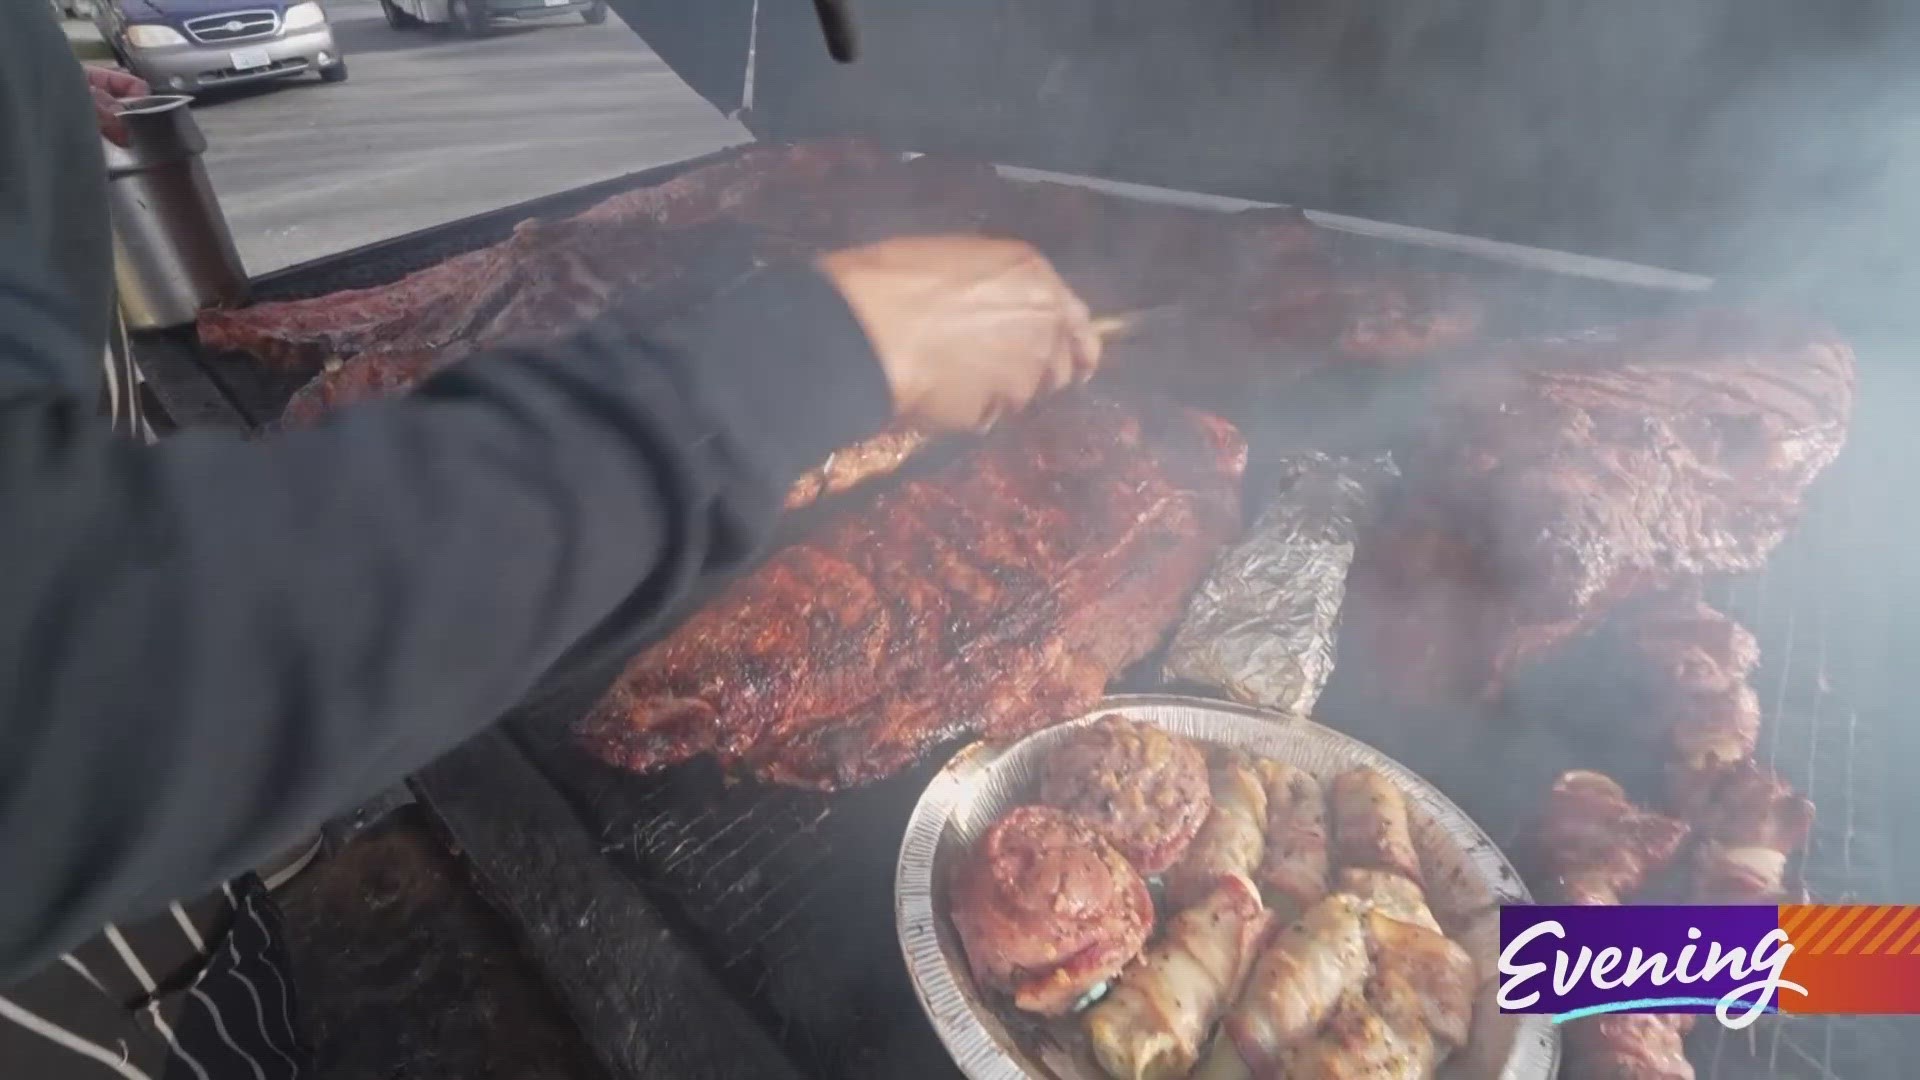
(206, 646)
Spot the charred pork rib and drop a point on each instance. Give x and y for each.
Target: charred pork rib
(1274, 310)
(1596, 847)
(991, 597)
(1679, 696)
(435, 306)
(1565, 475)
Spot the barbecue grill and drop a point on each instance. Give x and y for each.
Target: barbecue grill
(697, 928)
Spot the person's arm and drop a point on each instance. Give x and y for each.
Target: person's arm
(206, 646)
(211, 645)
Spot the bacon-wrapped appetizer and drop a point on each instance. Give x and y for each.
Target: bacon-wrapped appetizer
(1293, 873)
(1370, 825)
(1047, 910)
(1438, 972)
(1234, 837)
(1155, 1022)
(1390, 894)
(1596, 846)
(1754, 823)
(1373, 1035)
(1142, 787)
(1299, 980)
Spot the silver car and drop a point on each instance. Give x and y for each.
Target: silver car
(186, 46)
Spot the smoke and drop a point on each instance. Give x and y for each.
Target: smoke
(1764, 139)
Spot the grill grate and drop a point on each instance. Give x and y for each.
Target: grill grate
(789, 896)
(1825, 613)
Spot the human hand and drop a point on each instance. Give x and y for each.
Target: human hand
(110, 87)
(966, 328)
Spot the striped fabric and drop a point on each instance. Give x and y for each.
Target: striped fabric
(201, 992)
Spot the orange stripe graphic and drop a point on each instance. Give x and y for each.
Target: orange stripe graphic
(1907, 917)
(1875, 917)
(1905, 939)
(1848, 916)
(1791, 916)
(1811, 926)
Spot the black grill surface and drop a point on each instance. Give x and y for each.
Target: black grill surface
(787, 897)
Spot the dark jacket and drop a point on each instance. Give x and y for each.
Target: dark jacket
(208, 646)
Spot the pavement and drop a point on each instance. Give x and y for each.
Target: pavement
(431, 127)
(85, 39)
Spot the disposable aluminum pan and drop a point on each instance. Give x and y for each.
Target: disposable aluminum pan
(1468, 878)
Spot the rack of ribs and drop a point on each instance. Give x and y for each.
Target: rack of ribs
(991, 597)
(1276, 310)
(1559, 477)
(429, 308)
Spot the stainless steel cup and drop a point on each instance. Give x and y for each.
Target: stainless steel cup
(172, 251)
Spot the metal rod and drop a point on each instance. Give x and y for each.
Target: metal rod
(836, 22)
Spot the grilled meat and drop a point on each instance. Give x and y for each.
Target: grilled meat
(363, 378)
(1628, 1046)
(1565, 475)
(1155, 1023)
(1599, 848)
(1596, 846)
(1232, 841)
(991, 597)
(1370, 824)
(433, 307)
(1751, 825)
(1437, 969)
(854, 465)
(1665, 680)
(1389, 893)
(1293, 871)
(1375, 1034)
(1047, 910)
(1684, 668)
(1242, 343)
(1300, 979)
(1143, 788)
(1367, 317)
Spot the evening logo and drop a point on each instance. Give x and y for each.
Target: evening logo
(1737, 962)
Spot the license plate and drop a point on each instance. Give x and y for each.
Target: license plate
(558, 3)
(250, 59)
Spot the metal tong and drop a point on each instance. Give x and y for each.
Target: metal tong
(1125, 324)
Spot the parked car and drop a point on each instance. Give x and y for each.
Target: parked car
(476, 17)
(186, 46)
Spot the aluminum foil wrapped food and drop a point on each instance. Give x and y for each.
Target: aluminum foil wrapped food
(1262, 627)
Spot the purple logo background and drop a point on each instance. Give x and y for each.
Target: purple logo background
(1652, 929)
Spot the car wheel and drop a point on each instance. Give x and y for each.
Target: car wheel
(334, 72)
(595, 15)
(396, 18)
(467, 17)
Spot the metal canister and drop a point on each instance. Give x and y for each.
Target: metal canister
(172, 251)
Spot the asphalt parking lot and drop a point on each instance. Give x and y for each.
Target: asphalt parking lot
(431, 127)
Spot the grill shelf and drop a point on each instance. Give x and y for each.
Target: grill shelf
(786, 897)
